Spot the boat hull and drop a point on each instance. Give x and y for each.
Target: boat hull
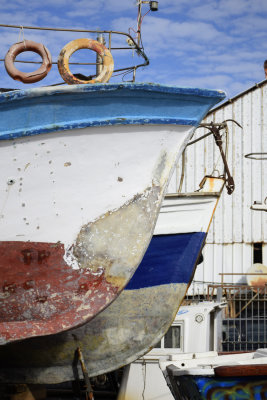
(139, 317)
(77, 241)
(83, 174)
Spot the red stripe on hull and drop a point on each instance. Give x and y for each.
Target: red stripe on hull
(41, 295)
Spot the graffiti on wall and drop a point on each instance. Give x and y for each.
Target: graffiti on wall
(232, 388)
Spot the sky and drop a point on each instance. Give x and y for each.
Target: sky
(216, 44)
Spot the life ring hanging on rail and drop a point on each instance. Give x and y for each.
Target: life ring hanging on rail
(28, 77)
(74, 45)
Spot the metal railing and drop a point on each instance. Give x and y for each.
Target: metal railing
(132, 45)
(244, 319)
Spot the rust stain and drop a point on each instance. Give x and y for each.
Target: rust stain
(67, 164)
(48, 299)
(258, 281)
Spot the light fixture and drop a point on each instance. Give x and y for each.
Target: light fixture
(154, 5)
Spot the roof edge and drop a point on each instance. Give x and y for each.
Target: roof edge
(232, 99)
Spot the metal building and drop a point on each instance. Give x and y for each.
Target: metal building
(238, 235)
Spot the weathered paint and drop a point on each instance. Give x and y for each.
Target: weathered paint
(138, 318)
(97, 191)
(34, 303)
(43, 294)
(79, 106)
(106, 229)
(107, 65)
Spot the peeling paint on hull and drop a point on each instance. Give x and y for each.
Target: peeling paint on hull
(60, 190)
(41, 294)
(85, 167)
(136, 320)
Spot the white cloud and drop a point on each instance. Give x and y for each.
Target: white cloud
(202, 42)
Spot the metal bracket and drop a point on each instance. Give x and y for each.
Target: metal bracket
(257, 206)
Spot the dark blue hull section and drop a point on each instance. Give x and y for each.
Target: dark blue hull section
(168, 259)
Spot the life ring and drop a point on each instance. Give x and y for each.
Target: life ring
(28, 77)
(74, 45)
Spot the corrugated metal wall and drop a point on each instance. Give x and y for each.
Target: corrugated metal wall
(235, 226)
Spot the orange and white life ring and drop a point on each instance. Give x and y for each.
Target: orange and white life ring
(74, 45)
(28, 77)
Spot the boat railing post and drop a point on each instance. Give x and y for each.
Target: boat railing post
(99, 61)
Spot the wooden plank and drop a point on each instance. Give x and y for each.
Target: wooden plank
(241, 370)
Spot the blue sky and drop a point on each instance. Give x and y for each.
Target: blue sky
(218, 44)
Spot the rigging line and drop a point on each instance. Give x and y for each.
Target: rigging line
(78, 30)
(62, 29)
(127, 73)
(144, 17)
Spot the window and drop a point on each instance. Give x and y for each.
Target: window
(257, 253)
(172, 339)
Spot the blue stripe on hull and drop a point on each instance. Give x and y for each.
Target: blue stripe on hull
(168, 259)
(33, 111)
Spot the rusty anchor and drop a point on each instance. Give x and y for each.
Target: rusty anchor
(215, 129)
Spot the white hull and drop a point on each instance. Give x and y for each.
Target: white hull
(77, 207)
(53, 184)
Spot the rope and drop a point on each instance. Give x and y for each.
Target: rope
(182, 173)
(21, 33)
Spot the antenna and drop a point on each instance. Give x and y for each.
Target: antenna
(154, 6)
